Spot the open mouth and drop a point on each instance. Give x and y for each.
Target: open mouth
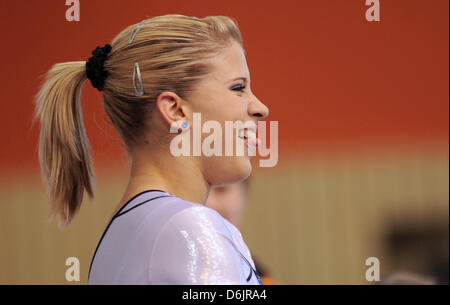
(249, 136)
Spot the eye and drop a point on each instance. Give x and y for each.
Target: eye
(238, 87)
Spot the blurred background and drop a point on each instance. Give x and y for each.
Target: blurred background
(363, 136)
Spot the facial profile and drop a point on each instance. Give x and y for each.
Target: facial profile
(225, 95)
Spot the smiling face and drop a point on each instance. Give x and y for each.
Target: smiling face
(225, 95)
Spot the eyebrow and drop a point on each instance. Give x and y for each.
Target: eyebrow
(242, 77)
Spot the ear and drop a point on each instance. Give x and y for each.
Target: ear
(171, 107)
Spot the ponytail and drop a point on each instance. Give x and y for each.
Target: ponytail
(64, 151)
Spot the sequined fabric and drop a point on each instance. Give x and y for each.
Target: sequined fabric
(158, 238)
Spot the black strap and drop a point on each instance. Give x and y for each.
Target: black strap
(119, 213)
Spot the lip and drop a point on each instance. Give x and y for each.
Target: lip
(252, 143)
(251, 140)
(251, 130)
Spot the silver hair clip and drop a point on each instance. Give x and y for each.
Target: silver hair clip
(137, 71)
(136, 30)
(195, 18)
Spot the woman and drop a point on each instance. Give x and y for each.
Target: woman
(155, 75)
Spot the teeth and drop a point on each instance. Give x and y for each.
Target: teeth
(250, 135)
(246, 134)
(242, 133)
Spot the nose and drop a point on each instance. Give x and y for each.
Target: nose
(256, 109)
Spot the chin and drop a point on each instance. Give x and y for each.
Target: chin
(243, 170)
(231, 170)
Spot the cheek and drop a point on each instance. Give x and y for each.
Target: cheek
(230, 108)
(240, 106)
(233, 110)
(225, 169)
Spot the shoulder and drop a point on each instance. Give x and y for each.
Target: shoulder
(196, 218)
(172, 214)
(195, 246)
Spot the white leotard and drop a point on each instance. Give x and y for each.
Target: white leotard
(158, 238)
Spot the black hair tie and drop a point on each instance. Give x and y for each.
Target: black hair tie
(95, 69)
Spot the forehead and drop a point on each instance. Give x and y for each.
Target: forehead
(230, 63)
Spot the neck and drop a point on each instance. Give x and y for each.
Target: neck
(179, 176)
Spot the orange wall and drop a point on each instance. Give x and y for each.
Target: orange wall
(328, 76)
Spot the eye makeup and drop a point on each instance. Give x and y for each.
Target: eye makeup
(238, 87)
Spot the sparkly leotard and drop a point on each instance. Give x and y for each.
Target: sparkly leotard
(158, 238)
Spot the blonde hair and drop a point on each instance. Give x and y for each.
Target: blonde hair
(172, 52)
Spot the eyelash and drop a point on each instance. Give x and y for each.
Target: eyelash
(238, 88)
